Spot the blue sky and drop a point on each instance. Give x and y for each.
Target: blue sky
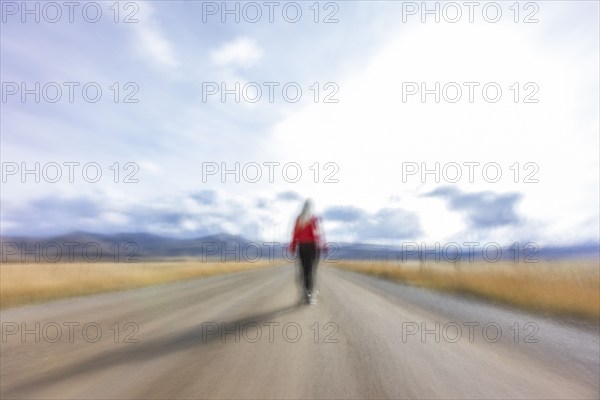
(360, 145)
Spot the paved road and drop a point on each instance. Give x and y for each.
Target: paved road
(244, 336)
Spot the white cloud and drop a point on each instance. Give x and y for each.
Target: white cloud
(242, 52)
(150, 40)
(371, 131)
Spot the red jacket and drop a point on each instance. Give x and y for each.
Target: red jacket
(309, 233)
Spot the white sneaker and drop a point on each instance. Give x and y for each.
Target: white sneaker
(307, 297)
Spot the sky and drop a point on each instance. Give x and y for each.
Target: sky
(402, 121)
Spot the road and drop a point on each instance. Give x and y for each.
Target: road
(245, 336)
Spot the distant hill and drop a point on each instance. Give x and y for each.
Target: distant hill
(124, 247)
(87, 246)
(508, 253)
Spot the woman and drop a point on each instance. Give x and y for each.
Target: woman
(308, 240)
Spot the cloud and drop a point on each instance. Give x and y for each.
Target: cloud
(289, 195)
(204, 197)
(482, 209)
(197, 214)
(343, 213)
(372, 131)
(150, 40)
(62, 208)
(242, 52)
(391, 223)
(49, 215)
(262, 204)
(175, 216)
(387, 224)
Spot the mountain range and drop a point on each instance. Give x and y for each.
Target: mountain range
(129, 247)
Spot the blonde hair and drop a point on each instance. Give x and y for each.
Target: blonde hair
(306, 214)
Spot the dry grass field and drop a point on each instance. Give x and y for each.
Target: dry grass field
(22, 283)
(565, 288)
(569, 288)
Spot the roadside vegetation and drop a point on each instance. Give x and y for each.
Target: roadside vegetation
(22, 283)
(566, 288)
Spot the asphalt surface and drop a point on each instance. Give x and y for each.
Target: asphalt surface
(245, 335)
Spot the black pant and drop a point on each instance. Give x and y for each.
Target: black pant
(309, 257)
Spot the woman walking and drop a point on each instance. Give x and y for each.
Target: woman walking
(308, 239)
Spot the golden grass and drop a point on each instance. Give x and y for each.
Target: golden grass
(554, 288)
(22, 283)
